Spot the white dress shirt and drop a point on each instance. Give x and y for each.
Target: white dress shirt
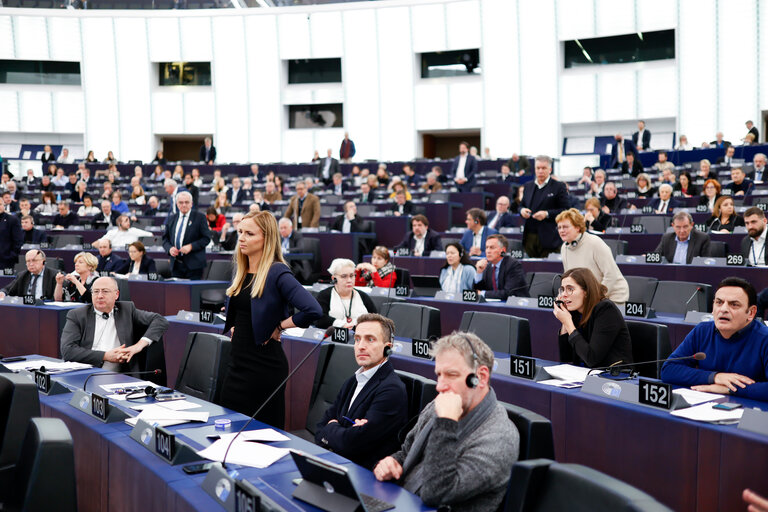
(362, 379)
(105, 338)
(460, 167)
(757, 250)
(418, 248)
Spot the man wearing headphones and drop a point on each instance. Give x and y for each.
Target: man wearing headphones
(498, 275)
(38, 280)
(372, 405)
(461, 451)
(477, 232)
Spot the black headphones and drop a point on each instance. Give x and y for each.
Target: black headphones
(472, 379)
(334, 280)
(388, 348)
(573, 244)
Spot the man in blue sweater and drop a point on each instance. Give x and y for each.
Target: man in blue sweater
(736, 347)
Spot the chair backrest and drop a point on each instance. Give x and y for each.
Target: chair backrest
(680, 296)
(151, 241)
(45, 475)
(446, 241)
(650, 342)
(58, 241)
(420, 390)
(163, 267)
(312, 245)
(439, 197)
(544, 485)
(617, 246)
(536, 440)
(503, 333)
(403, 277)
(203, 365)
(335, 364)
(384, 302)
(415, 320)
(655, 224)
(365, 210)
(124, 289)
(329, 210)
(19, 402)
(219, 270)
(718, 249)
(641, 289)
(543, 283)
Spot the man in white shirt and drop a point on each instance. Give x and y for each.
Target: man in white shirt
(753, 245)
(64, 157)
(124, 233)
(464, 168)
(759, 161)
(642, 137)
(108, 333)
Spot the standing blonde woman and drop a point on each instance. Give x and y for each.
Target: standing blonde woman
(260, 300)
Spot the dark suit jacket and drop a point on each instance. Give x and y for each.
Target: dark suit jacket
(99, 217)
(746, 247)
(47, 160)
(522, 164)
(629, 146)
(383, 402)
(366, 198)
(242, 195)
(333, 169)
(324, 299)
(747, 186)
(407, 207)
(18, 287)
(11, 239)
(637, 168)
(470, 169)
(511, 280)
(300, 268)
(211, 156)
(66, 220)
(431, 242)
(310, 211)
(724, 145)
(468, 237)
(673, 203)
(195, 193)
(554, 199)
(147, 266)
(332, 188)
(646, 142)
(615, 205)
(38, 236)
(197, 234)
(131, 324)
(698, 245)
(355, 224)
(754, 132)
(506, 220)
(112, 263)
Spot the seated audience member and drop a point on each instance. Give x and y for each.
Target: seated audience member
(222, 204)
(45, 184)
(685, 243)
(379, 272)
(710, 193)
(585, 250)
(753, 245)
(665, 203)
(106, 261)
(401, 206)
(602, 337)
(341, 303)
(740, 186)
(595, 218)
(422, 240)
(30, 234)
(216, 221)
(11, 206)
(363, 422)
(684, 185)
(47, 204)
(107, 214)
(337, 185)
(76, 287)
(501, 217)
(60, 179)
(290, 241)
(125, 331)
(735, 345)
(683, 144)
(79, 194)
(255, 176)
(139, 262)
(586, 178)
(667, 176)
(632, 165)
(258, 200)
(719, 143)
(461, 451)
(303, 208)
(124, 233)
(663, 163)
(457, 274)
(90, 158)
(228, 235)
(477, 232)
(38, 280)
(758, 174)
(498, 275)
(65, 218)
(236, 194)
(188, 184)
(598, 182)
(118, 204)
(506, 175)
(159, 158)
(138, 196)
(520, 165)
(397, 185)
(271, 194)
(410, 178)
(349, 221)
(727, 159)
(724, 217)
(365, 196)
(611, 201)
(382, 176)
(431, 185)
(153, 206)
(644, 186)
(705, 171)
(87, 209)
(25, 208)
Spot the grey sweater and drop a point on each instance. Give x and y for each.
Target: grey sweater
(470, 474)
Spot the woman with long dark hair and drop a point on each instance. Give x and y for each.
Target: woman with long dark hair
(724, 217)
(260, 302)
(458, 273)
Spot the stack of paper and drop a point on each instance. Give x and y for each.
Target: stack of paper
(165, 417)
(705, 412)
(263, 434)
(244, 453)
(697, 397)
(569, 372)
(50, 366)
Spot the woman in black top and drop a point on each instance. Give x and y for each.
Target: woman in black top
(76, 287)
(160, 158)
(341, 303)
(596, 219)
(593, 331)
(644, 187)
(685, 186)
(724, 217)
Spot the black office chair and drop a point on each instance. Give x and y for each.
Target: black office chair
(650, 342)
(153, 358)
(542, 485)
(544, 283)
(679, 297)
(383, 302)
(151, 241)
(312, 246)
(641, 288)
(335, 364)
(516, 248)
(214, 298)
(19, 402)
(59, 241)
(163, 267)
(421, 391)
(503, 333)
(617, 246)
(536, 440)
(403, 277)
(717, 249)
(123, 289)
(218, 270)
(203, 365)
(415, 320)
(45, 475)
(446, 241)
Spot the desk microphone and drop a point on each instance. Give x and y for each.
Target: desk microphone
(697, 290)
(147, 372)
(615, 368)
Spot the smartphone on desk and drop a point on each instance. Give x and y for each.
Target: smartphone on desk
(194, 469)
(727, 406)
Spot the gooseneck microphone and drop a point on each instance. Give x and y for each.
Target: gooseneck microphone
(697, 290)
(147, 372)
(616, 367)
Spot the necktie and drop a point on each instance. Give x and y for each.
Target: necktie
(493, 277)
(663, 207)
(179, 229)
(33, 285)
(621, 152)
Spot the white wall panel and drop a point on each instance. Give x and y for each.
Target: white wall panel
(463, 25)
(293, 33)
(196, 39)
(578, 97)
(164, 40)
(616, 95)
(68, 112)
(229, 82)
(168, 112)
(362, 108)
(199, 117)
(31, 37)
(615, 17)
(326, 34)
(295, 143)
(99, 78)
(431, 106)
(36, 110)
(657, 92)
(575, 19)
(264, 84)
(656, 15)
(297, 94)
(133, 86)
(762, 67)
(396, 78)
(428, 28)
(9, 105)
(737, 46)
(64, 34)
(323, 139)
(465, 104)
(7, 44)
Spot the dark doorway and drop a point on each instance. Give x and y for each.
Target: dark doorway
(446, 144)
(177, 149)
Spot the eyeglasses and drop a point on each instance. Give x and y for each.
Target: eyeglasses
(345, 276)
(99, 291)
(567, 289)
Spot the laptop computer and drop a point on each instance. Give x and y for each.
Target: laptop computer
(327, 486)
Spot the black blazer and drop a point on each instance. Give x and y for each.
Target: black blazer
(18, 287)
(637, 167)
(506, 220)
(646, 139)
(197, 234)
(242, 195)
(113, 215)
(112, 263)
(11, 239)
(47, 159)
(616, 204)
(355, 224)
(470, 170)
(333, 169)
(601, 222)
(211, 156)
(698, 245)
(629, 147)
(37, 236)
(65, 220)
(554, 199)
(746, 247)
(147, 266)
(194, 191)
(673, 203)
(602, 341)
(511, 280)
(383, 402)
(407, 207)
(432, 242)
(324, 299)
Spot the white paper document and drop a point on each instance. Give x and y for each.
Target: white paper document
(569, 372)
(697, 397)
(155, 412)
(159, 423)
(244, 453)
(175, 405)
(296, 332)
(561, 383)
(263, 434)
(705, 412)
(132, 384)
(50, 366)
